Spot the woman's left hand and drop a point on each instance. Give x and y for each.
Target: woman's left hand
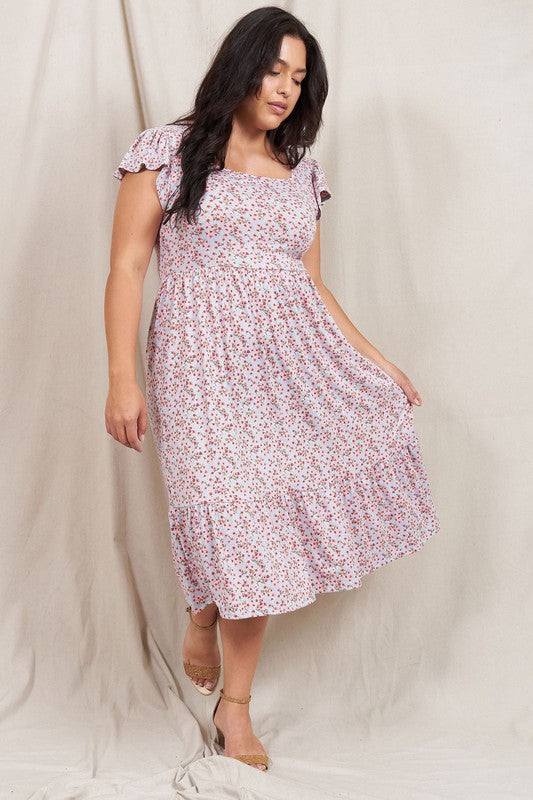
(403, 381)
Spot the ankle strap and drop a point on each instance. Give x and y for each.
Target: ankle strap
(201, 626)
(235, 699)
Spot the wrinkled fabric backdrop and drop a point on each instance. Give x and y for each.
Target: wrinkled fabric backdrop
(418, 684)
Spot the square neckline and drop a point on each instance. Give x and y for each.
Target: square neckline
(249, 174)
(260, 177)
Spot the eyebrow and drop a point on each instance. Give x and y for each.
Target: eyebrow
(282, 61)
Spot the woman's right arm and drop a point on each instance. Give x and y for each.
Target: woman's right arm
(136, 222)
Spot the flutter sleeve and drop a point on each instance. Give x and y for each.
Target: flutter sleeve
(320, 186)
(153, 148)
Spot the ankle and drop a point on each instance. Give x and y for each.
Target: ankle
(233, 716)
(205, 619)
(235, 702)
(202, 635)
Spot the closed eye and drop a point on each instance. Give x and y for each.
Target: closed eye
(298, 83)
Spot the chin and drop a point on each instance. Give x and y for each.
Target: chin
(270, 124)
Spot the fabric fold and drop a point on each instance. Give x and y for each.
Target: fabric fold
(278, 551)
(320, 186)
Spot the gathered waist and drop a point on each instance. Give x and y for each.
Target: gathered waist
(217, 269)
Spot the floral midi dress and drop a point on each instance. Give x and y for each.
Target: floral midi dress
(290, 459)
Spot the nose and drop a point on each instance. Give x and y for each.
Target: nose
(285, 85)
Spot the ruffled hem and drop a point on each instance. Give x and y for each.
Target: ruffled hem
(153, 148)
(320, 186)
(276, 553)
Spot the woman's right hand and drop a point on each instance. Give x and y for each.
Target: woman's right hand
(125, 413)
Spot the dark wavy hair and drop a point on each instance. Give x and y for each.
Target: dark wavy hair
(246, 54)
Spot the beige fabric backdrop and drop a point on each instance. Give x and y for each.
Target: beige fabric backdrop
(418, 684)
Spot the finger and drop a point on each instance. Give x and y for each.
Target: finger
(141, 425)
(133, 439)
(122, 436)
(413, 396)
(110, 428)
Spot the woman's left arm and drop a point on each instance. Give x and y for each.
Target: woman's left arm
(311, 261)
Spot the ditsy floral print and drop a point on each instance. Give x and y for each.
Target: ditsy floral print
(290, 459)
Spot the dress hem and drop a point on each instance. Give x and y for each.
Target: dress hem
(356, 583)
(298, 542)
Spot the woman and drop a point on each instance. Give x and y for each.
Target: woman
(285, 438)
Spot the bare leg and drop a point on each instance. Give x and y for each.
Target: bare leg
(201, 646)
(241, 646)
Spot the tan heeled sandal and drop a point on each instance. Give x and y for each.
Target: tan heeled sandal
(259, 758)
(202, 671)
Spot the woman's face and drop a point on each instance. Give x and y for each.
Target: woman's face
(280, 88)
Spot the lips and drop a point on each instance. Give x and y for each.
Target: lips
(278, 106)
